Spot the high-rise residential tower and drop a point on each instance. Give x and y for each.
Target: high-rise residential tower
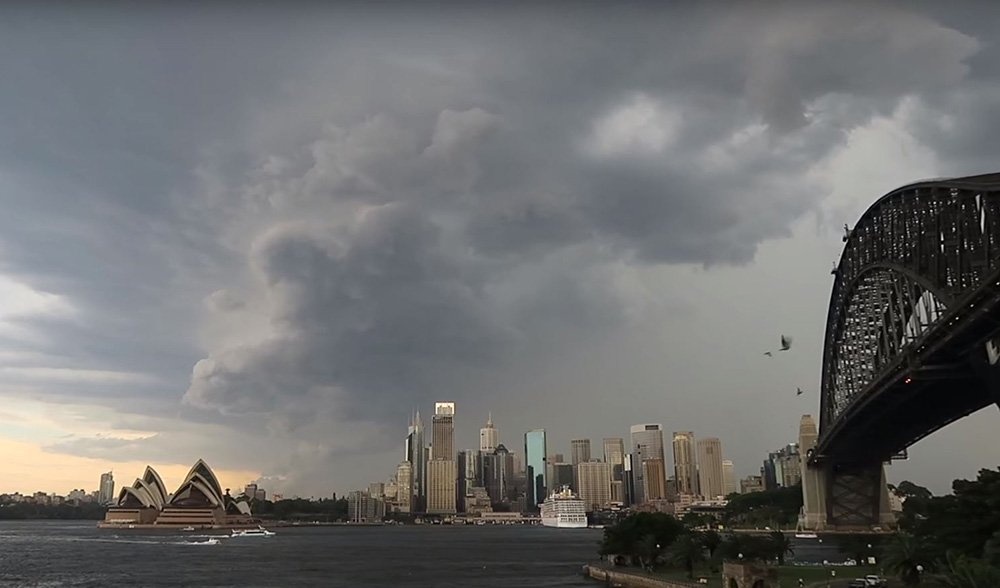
(685, 467)
(580, 450)
(593, 484)
(106, 494)
(489, 437)
(729, 485)
(534, 463)
(710, 468)
(647, 443)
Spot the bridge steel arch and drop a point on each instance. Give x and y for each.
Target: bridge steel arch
(915, 300)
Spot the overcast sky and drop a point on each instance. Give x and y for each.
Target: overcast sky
(263, 236)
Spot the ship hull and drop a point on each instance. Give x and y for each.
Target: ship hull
(557, 523)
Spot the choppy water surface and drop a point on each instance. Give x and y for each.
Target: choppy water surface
(76, 554)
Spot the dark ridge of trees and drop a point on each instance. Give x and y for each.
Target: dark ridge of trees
(27, 510)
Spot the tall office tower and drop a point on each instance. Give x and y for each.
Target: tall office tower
(489, 437)
(728, 478)
(404, 486)
(468, 478)
(654, 479)
(710, 468)
(441, 490)
(498, 474)
(443, 431)
(376, 489)
(685, 468)
(614, 456)
(106, 494)
(631, 482)
(593, 484)
(562, 474)
(416, 454)
(580, 450)
(647, 443)
(534, 463)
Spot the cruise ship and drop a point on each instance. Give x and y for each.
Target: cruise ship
(564, 510)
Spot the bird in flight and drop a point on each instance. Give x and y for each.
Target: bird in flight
(769, 354)
(786, 342)
(798, 392)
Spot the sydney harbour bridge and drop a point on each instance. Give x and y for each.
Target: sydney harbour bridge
(912, 340)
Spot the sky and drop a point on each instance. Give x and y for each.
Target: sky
(265, 235)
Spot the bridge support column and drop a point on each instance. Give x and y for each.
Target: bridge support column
(845, 497)
(841, 496)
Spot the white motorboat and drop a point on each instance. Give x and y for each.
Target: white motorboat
(806, 536)
(188, 528)
(258, 532)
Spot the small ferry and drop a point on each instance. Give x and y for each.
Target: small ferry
(188, 528)
(258, 532)
(564, 510)
(801, 535)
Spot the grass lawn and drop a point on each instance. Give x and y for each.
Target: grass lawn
(788, 575)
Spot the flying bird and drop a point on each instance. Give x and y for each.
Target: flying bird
(786, 342)
(769, 354)
(798, 392)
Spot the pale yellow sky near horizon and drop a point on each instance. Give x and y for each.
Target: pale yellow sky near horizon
(27, 468)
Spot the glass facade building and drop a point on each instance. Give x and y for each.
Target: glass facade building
(534, 462)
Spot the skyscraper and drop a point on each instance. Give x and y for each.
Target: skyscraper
(710, 467)
(647, 443)
(442, 473)
(441, 487)
(469, 474)
(416, 454)
(729, 485)
(654, 479)
(489, 437)
(498, 474)
(106, 494)
(685, 468)
(580, 450)
(534, 463)
(404, 486)
(633, 495)
(443, 431)
(593, 484)
(614, 456)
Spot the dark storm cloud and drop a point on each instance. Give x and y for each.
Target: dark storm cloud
(344, 213)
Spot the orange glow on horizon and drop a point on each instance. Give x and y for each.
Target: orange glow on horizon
(27, 468)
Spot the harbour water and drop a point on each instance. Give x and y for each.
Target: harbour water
(76, 554)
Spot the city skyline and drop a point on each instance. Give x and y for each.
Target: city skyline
(268, 254)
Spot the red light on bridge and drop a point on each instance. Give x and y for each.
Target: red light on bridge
(907, 380)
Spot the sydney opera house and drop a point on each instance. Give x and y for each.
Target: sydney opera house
(197, 502)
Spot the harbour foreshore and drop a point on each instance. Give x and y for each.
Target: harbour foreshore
(612, 576)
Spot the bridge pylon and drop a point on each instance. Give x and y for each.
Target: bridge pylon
(841, 496)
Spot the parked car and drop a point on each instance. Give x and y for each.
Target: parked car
(875, 581)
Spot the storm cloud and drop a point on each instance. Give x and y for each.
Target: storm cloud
(299, 225)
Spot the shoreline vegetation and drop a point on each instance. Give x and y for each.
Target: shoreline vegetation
(950, 541)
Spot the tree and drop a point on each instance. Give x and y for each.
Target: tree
(964, 520)
(711, 540)
(624, 537)
(687, 551)
(749, 546)
(648, 550)
(859, 547)
(965, 572)
(781, 544)
(771, 508)
(908, 556)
